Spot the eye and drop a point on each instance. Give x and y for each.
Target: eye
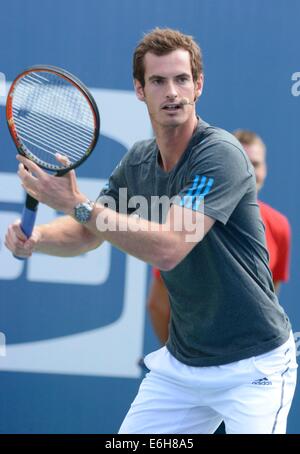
(157, 81)
(183, 79)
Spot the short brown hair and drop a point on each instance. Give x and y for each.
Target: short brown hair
(162, 41)
(246, 137)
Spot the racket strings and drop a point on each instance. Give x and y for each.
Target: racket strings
(59, 102)
(58, 97)
(55, 123)
(41, 138)
(52, 116)
(39, 127)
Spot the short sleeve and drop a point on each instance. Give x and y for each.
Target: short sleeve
(218, 177)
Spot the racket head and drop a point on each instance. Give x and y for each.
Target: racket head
(49, 111)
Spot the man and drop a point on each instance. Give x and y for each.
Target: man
(277, 237)
(227, 331)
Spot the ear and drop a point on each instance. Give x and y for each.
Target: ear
(199, 86)
(139, 90)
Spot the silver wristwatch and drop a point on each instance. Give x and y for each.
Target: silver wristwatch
(83, 211)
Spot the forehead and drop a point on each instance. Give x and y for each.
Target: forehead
(255, 151)
(176, 62)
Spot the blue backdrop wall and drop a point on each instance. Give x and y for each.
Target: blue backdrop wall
(75, 328)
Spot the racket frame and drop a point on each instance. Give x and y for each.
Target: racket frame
(22, 149)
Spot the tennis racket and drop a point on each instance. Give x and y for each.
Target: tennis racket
(50, 111)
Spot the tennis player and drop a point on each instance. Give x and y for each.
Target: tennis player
(277, 236)
(231, 353)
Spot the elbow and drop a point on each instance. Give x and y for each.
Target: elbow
(170, 265)
(89, 240)
(171, 252)
(169, 260)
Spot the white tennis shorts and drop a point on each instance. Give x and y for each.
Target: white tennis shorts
(252, 396)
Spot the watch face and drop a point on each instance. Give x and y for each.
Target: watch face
(83, 212)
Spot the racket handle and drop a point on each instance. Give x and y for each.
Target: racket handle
(28, 218)
(28, 221)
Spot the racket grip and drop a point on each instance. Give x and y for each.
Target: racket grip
(28, 219)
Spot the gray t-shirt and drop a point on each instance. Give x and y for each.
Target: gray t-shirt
(223, 304)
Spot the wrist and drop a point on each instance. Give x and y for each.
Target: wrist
(37, 236)
(76, 200)
(82, 210)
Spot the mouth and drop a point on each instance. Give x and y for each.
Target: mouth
(171, 107)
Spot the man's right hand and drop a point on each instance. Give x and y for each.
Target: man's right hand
(17, 242)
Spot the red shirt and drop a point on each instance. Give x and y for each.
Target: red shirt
(156, 273)
(278, 236)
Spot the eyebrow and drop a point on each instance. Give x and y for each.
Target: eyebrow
(156, 76)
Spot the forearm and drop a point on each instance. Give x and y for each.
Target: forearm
(148, 241)
(64, 237)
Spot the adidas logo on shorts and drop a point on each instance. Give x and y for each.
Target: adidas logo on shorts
(262, 381)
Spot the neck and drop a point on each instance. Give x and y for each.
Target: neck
(172, 142)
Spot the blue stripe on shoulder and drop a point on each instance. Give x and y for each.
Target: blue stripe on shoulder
(197, 192)
(201, 196)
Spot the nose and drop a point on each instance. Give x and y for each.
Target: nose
(171, 92)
